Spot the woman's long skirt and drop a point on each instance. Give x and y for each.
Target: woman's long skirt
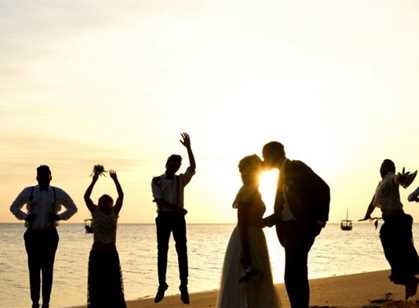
(259, 292)
(105, 286)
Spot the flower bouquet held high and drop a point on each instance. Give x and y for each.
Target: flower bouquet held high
(98, 170)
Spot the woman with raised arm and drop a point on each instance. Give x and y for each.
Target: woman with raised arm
(105, 287)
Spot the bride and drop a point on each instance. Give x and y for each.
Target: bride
(247, 278)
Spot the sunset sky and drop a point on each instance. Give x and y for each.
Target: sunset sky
(85, 82)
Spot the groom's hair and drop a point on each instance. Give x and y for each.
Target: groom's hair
(273, 148)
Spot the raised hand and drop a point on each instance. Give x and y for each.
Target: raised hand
(119, 201)
(98, 170)
(186, 140)
(113, 175)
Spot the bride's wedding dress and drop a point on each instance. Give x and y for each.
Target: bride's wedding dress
(259, 291)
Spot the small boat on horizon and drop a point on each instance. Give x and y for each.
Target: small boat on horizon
(346, 224)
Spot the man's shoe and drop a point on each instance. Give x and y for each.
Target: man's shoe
(160, 293)
(45, 305)
(184, 294)
(35, 305)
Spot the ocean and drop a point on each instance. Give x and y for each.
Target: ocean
(334, 253)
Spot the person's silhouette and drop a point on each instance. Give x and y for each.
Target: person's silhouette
(168, 191)
(105, 287)
(41, 238)
(301, 211)
(246, 279)
(396, 232)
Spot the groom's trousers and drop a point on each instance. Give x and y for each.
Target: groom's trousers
(297, 239)
(167, 223)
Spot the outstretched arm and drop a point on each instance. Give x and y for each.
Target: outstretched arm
(89, 203)
(120, 200)
(186, 141)
(370, 209)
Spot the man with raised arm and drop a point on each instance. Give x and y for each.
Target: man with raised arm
(168, 191)
(43, 203)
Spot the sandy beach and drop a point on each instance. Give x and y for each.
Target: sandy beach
(360, 290)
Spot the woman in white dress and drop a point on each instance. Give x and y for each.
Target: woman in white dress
(247, 278)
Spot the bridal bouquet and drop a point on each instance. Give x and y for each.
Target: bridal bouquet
(99, 170)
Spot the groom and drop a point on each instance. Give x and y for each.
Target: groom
(301, 211)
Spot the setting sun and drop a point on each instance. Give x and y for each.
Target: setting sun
(88, 83)
(267, 187)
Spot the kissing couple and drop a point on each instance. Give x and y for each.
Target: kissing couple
(301, 211)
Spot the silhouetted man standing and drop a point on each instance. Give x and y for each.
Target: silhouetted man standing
(168, 194)
(301, 211)
(43, 203)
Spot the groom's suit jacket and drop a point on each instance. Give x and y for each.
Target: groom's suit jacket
(307, 195)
